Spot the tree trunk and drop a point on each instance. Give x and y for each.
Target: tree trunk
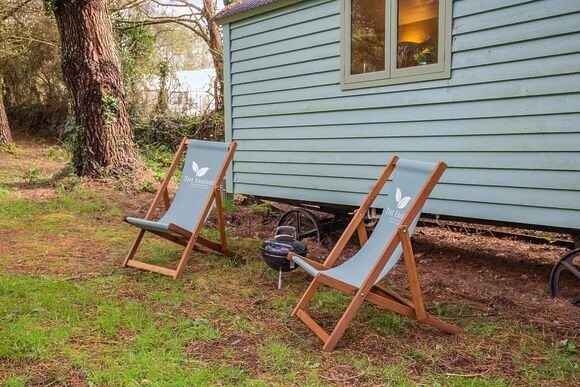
(216, 49)
(92, 72)
(5, 135)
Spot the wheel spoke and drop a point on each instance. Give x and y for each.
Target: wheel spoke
(571, 267)
(301, 219)
(299, 224)
(565, 263)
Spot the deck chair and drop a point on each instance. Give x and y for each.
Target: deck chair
(406, 194)
(204, 169)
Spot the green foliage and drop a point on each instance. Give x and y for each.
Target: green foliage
(330, 301)
(168, 130)
(15, 381)
(70, 130)
(163, 97)
(277, 357)
(109, 109)
(30, 66)
(56, 153)
(33, 175)
(149, 185)
(228, 205)
(49, 6)
(387, 323)
(261, 207)
(10, 148)
(137, 45)
(158, 159)
(570, 346)
(72, 136)
(5, 192)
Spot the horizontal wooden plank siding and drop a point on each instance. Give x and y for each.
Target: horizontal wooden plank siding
(507, 122)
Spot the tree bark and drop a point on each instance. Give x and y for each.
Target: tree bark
(216, 49)
(92, 72)
(5, 135)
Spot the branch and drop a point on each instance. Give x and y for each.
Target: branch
(15, 9)
(131, 4)
(189, 21)
(30, 39)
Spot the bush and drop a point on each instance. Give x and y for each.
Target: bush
(39, 120)
(168, 130)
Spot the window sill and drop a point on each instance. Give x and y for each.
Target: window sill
(346, 85)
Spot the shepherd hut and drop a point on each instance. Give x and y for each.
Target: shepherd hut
(319, 94)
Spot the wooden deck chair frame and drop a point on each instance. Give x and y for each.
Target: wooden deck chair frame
(182, 236)
(368, 291)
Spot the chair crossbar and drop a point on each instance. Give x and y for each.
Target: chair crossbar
(149, 267)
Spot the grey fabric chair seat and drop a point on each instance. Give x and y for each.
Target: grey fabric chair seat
(203, 161)
(408, 178)
(148, 224)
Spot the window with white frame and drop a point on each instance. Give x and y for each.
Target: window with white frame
(394, 41)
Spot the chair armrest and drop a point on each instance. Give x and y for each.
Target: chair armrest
(314, 264)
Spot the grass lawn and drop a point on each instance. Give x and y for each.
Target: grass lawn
(69, 314)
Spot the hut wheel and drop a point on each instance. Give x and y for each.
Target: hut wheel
(566, 264)
(305, 222)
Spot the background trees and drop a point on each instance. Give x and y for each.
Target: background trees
(35, 94)
(195, 17)
(112, 52)
(28, 60)
(5, 135)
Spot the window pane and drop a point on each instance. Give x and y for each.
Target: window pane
(417, 37)
(368, 36)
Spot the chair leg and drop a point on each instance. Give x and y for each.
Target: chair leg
(344, 321)
(221, 223)
(308, 294)
(306, 319)
(134, 248)
(409, 259)
(442, 325)
(184, 258)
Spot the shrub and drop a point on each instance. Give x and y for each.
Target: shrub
(169, 129)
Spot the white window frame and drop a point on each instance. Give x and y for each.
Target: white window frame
(392, 75)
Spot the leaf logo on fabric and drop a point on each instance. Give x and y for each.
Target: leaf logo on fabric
(199, 172)
(401, 201)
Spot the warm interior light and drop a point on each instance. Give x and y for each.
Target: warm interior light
(419, 31)
(412, 11)
(417, 20)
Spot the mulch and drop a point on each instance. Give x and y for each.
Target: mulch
(501, 276)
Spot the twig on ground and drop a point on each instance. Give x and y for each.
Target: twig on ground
(243, 312)
(467, 375)
(85, 276)
(344, 379)
(292, 332)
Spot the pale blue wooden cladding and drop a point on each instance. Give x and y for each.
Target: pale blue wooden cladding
(507, 122)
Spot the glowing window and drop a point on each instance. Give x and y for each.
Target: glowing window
(395, 41)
